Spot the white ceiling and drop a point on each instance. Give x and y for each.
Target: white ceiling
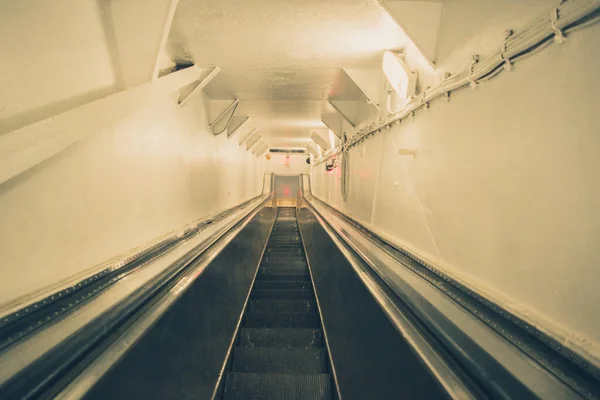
(280, 57)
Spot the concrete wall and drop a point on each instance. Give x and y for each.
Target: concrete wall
(127, 183)
(503, 193)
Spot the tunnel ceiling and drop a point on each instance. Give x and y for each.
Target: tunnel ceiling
(281, 57)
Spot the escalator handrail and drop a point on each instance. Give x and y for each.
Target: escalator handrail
(32, 317)
(65, 361)
(577, 379)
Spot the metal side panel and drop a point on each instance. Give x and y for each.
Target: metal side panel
(371, 359)
(182, 354)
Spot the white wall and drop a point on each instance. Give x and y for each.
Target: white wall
(54, 55)
(281, 164)
(147, 175)
(503, 193)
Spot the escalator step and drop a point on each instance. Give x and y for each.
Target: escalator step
(283, 277)
(276, 285)
(282, 306)
(283, 263)
(299, 270)
(243, 386)
(283, 259)
(284, 252)
(277, 359)
(293, 245)
(278, 337)
(304, 294)
(282, 320)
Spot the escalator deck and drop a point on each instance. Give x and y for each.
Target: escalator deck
(279, 352)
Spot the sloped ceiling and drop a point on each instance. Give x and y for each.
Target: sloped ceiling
(280, 58)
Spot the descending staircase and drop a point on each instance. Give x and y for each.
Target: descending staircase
(280, 351)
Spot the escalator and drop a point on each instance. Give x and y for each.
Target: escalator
(279, 351)
(251, 320)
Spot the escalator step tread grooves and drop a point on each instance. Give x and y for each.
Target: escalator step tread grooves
(278, 386)
(280, 352)
(280, 360)
(280, 337)
(282, 306)
(282, 271)
(283, 294)
(282, 320)
(278, 285)
(282, 277)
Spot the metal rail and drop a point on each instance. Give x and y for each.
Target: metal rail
(46, 375)
(571, 369)
(32, 317)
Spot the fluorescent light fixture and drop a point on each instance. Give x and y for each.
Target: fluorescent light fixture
(399, 75)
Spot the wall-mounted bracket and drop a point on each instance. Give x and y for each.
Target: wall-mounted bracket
(369, 81)
(263, 151)
(257, 146)
(421, 21)
(252, 140)
(322, 143)
(222, 121)
(247, 136)
(260, 149)
(312, 150)
(189, 91)
(346, 108)
(335, 124)
(353, 98)
(236, 124)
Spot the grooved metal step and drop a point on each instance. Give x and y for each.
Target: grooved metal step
(290, 270)
(280, 349)
(283, 277)
(280, 360)
(283, 320)
(243, 386)
(284, 264)
(282, 306)
(280, 337)
(304, 294)
(279, 285)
